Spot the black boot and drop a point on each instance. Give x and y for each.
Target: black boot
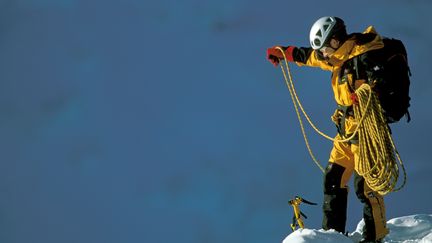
(335, 199)
(334, 209)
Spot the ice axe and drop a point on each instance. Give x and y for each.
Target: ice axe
(297, 218)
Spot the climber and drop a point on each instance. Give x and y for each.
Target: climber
(333, 49)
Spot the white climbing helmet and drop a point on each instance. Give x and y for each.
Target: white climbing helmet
(323, 29)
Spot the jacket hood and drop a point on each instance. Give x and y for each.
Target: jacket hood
(350, 48)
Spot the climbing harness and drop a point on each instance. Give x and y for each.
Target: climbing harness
(297, 218)
(378, 153)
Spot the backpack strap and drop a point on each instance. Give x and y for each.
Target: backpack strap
(360, 72)
(356, 67)
(408, 116)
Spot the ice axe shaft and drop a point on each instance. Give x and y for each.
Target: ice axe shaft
(297, 218)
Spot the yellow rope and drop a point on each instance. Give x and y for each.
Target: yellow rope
(377, 156)
(296, 101)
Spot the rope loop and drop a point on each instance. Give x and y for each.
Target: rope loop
(378, 155)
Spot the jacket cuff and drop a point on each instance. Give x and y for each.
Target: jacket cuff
(289, 53)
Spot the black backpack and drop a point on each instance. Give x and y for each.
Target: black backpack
(388, 69)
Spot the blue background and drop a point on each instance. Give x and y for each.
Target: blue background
(162, 121)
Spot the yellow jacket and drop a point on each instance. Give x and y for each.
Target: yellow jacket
(348, 50)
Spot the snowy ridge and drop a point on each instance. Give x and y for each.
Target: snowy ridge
(407, 229)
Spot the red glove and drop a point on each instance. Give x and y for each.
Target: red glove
(274, 54)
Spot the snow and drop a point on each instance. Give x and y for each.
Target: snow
(407, 229)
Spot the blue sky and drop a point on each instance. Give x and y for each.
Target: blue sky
(132, 121)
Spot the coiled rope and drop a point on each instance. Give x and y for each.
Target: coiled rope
(378, 155)
(377, 151)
